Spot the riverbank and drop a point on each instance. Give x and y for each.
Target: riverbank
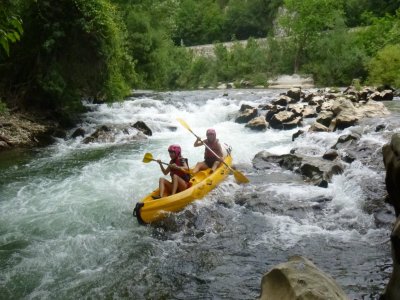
(25, 130)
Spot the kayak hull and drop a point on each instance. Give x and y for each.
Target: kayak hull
(149, 210)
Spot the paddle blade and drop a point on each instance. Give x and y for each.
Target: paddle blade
(148, 157)
(183, 123)
(240, 177)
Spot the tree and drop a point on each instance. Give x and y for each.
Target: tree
(71, 49)
(384, 67)
(251, 18)
(198, 22)
(10, 26)
(304, 21)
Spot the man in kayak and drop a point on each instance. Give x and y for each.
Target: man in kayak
(179, 171)
(210, 160)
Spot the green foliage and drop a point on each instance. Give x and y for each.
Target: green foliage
(3, 108)
(304, 21)
(384, 67)
(357, 11)
(72, 49)
(381, 32)
(335, 60)
(252, 18)
(10, 26)
(198, 22)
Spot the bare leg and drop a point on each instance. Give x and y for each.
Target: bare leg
(164, 185)
(178, 184)
(215, 165)
(200, 166)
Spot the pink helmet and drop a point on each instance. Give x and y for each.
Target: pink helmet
(211, 132)
(175, 148)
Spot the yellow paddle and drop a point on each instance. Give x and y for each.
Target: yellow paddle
(148, 157)
(238, 175)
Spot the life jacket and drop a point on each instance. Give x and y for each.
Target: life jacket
(179, 161)
(214, 147)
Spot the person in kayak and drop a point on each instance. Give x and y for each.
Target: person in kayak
(210, 160)
(179, 171)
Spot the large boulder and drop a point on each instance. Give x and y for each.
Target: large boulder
(257, 123)
(299, 279)
(391, 159)
(392, 290)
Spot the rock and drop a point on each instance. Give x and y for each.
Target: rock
(297, 134)
(330, 155)
(141, 126)
(78, 132)
(294, 93)
(391, 159)
(282, 100)
(246, 115)
(25, 130)
(314, 169)
(280, 118)
(318, 127)
(257, 123)
(325, 118)
(299, 279)
(392, 290)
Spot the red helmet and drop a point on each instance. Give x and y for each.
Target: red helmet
(175, 148)
(211, 132)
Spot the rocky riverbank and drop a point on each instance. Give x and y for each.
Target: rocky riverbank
(26, 130)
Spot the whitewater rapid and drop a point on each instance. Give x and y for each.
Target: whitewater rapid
(66, 221)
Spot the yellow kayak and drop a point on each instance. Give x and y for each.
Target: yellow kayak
(149, 210)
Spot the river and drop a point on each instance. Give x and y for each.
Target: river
(67, 231)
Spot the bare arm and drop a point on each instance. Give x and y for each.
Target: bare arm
(198, 142)
(184, 167)
(220, 152)
(164, 170)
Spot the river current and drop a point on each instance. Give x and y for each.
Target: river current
(67, 231)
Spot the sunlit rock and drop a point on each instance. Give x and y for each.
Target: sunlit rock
(257, 123)
(299, 279)
(246, 115)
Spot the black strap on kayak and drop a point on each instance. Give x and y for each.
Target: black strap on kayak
(136, 213)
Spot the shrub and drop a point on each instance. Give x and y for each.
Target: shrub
(384, 67)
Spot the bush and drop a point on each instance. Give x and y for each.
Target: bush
(384, 67)
(3, 108)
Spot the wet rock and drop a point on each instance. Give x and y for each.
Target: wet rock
(330, 155)
(257, 123)
(294, 93)
(318, 127)
(380, 127)
(392, 290)
(325, 118)
(78, 132)
(297, 134)
(282, 101)
(299, 278)
(140, 125)
(246, 115)
(391, 158)
(313, 168)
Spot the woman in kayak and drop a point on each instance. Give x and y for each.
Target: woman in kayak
(210, 160)
(179, 171)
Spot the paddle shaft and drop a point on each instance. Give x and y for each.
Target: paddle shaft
(164, 163)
